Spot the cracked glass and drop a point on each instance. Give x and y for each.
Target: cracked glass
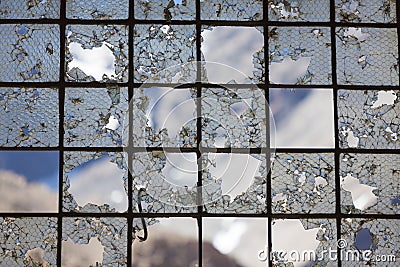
(29, 117)
(301, 10)
(303, 183)
(165, 9)
(84, 9)
(300, 55)
(367, 56)
(379, 236)
(96, 53)
(370, 183)
(237, 10)
(94, 241)
(95, 116)
(30, 9)
(157, 47)
(369, 119)
(367, 11)
(28, 241)
(234, 183)
(95, 182)
(29, 52)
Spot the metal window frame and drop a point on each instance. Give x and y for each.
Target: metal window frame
(266, 86)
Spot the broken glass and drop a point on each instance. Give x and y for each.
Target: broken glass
(104, 240)
(28, 241)
(233, 118)
(300, 55)
(292, 107)
(300, 10)
(30, 9)
(367, 56)
(95, 182)
(317, 237)
(174, 239)
(303, 183)
(240, 50)
(164, 116)
(165, 9)
(94, 116)
(96, 53)
(237, 10)
(368, 11)
(168, 180)
(234, 242)
(29, 117)
(158, 47)
(369, 119)
(379, 236)
(234, 183)
(370, 183)
(29, 52)
(92, 9)
(29, 181)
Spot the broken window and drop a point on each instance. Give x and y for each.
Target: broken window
(95, 116)
(96, 53)
(30, 9)
(95, 182)
(83, 9)
(29, 52)
(28, 241)
(301, 10)
(29, 117)
(367, 56)
(299, 55)
(371, 11)
(158, 47)
(369, 119)
(378, 236)
(370, 183)
(94, 241)
(238, 10)
(165, 9)
(303, 183)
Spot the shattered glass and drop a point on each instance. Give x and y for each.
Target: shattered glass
(370, 183)
(95, 182)
(169, 181)
(29, 117)
(303, 183)
(29, 52)
(369, 119)
(233, 118)
(110, 232)
(164, 116)
(380, 236)
(158, 47)
(165, 9)
(94, 116)
(316, 235)
(301, 10)
(29, 9)
(96, 53)
(237, 10)
(234, 183)
(300, 55)
(367, 56)
(84, 9)
(28, 241)
(368, 11)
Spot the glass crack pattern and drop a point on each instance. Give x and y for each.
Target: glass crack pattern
(371, 11)
(28, 117)
(30, 9)
(301, 10)
(83, 9)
